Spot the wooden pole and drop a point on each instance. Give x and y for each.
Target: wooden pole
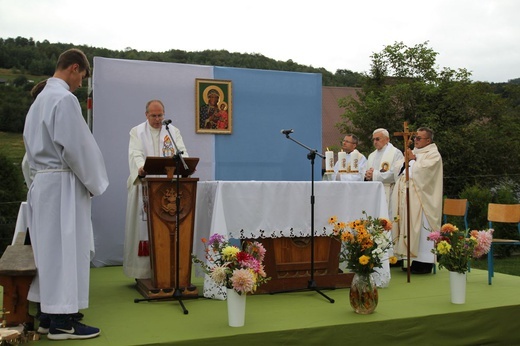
(406, 134)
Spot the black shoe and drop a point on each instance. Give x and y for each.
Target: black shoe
(421, 267)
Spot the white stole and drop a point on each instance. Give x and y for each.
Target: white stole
(386, 159)
(164, 143)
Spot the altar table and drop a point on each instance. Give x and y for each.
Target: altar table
(274, 209)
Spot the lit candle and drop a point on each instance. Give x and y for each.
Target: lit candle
(329, 161)
(342, 159)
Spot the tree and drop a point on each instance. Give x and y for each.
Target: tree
(11, 195)
(475, 128)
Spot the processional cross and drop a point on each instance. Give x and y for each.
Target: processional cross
(407, 135)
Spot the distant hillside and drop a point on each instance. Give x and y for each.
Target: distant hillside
(39, 58)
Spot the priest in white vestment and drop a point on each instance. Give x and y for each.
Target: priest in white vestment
(380, 165)
(425, 199)
(149, 138)
(381, 162)
(66, 168)
(354, 164)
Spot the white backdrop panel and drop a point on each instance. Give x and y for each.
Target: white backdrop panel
(121, 89)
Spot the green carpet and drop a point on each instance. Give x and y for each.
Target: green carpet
(415, 313)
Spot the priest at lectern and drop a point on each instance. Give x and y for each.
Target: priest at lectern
(149, 138)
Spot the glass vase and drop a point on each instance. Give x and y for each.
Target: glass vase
(363, 294)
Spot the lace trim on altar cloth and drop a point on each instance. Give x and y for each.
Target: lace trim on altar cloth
(212, 290)
(291, 233)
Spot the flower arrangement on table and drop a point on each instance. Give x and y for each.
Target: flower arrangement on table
(232, 267)
(455, 248)
(364, 243)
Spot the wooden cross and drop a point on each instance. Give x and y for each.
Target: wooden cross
(407, 135)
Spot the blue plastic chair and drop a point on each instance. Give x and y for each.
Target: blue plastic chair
(503, 213)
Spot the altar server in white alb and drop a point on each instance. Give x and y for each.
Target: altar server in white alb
(67, 169)
(425, 198)
(149, 138)
(351, 164)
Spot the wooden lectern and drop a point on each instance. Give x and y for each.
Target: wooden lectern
(160, 195)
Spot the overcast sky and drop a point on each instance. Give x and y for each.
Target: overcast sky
(480, 35)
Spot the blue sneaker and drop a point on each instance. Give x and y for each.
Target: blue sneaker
(70, 329)
(45, 321)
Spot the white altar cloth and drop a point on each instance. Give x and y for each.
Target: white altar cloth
(270, 209)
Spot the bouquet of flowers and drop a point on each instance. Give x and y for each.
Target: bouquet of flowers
(455, 248)
(364, 242)
(230, 266)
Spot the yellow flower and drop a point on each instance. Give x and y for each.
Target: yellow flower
(443, 247)
(363, 243)
(364, 260)
(333, 219)
(230, 252)
(392, 260)
(347, 237)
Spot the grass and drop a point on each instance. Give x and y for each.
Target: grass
(10, 75)
(12, 146)
(505, 265)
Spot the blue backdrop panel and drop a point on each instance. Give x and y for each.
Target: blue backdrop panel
(264, 103)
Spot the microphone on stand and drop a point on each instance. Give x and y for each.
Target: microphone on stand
(286, 132)
(167, 122)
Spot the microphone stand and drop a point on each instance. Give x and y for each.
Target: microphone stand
(177, 293)
(311, 285)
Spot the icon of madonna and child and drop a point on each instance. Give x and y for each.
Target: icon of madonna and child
(214, 113)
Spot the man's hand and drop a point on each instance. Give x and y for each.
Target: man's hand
(368, 174)
(411, 155)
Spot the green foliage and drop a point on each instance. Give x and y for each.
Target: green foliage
(11, 194)
(39, 58)
(506, 191)
(16, 101)
(14, 104)
(478, 197)
(476, 125)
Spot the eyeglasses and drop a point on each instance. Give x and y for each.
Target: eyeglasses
(345, 141)
(418, 138)
(377, 139)
(156, 116)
